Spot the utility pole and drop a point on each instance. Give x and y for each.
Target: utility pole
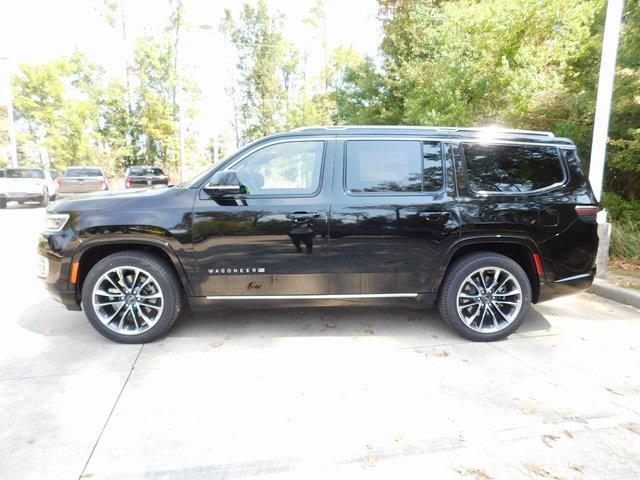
(606, 78)
(6, 103)
(605, 92)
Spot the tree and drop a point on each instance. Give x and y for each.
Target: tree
(56, 109)
(262, 59)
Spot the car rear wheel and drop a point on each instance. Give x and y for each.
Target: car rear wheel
(131, 297)
(485, 296)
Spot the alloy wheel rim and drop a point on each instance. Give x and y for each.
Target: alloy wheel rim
(128, 300)
(489, 299)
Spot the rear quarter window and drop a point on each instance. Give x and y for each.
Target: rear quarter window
(512, 168)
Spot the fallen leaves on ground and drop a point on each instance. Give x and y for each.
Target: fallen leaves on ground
(541, 472)
(577, 468)
(549, 440)
(441, 354)
(330, 325)
(369, 462)
(528, 410)
(633, 427)
(568, 434)
(612, 390)
(478, 474)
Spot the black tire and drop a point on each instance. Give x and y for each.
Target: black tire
(44, 200)
(162, 272)
(456, 275)
(3, 203)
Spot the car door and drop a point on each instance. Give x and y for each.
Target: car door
(394, 215)
(260, 223)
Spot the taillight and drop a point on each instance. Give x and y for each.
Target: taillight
(127, 183)
(57, 182)
(587, 213)
(105, 185)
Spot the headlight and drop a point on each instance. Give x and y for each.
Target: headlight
(55, 222)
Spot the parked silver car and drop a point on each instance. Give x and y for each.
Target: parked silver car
(82, 180)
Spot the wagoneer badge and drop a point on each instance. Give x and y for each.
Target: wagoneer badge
(235, 270)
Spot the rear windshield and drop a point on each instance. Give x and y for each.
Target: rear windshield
(146, 171)
(512, 168)
(83, 172)
(25, 173)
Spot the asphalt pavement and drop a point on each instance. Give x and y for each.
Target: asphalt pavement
(312, 393)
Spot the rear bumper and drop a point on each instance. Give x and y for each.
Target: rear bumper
(21, 196)
(566, 286)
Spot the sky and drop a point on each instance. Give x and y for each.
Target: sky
(35, 31)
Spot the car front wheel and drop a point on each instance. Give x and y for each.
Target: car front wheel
(131, 297)
(44, 200)
(485, 296)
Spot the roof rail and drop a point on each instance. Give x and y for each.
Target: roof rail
(489, 129)
(503, 131)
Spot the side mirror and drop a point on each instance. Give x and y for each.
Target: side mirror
(224, 183)
(217, 189)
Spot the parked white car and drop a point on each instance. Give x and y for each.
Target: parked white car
(27, 185)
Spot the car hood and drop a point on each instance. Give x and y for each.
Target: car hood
(117, 199)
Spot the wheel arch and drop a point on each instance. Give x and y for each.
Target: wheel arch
(91, 252)
(519, 249)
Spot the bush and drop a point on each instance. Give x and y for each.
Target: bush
(621, 210)
(625, 240)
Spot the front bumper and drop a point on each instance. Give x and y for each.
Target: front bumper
(566, 286)
(56, 250)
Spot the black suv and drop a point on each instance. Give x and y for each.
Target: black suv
(482, 222)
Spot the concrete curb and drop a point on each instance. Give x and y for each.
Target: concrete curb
(604, 289)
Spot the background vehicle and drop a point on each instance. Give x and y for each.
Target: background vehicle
(141, 176)
(481, 222)
(82, 180)
(26, 185)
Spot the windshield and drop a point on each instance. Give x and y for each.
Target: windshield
(24, 173)
(146, 171)
(83, 172)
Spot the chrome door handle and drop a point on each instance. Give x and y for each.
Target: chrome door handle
(303, 215)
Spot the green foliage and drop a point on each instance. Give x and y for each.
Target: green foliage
(263, 68)
(625, 240)
(55, 105)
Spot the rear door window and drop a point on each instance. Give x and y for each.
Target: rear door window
(393, 166)
(512, 168)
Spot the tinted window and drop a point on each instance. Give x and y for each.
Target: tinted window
(149, 171)
(393, 166)
(291, 168)
(2, 173)
(25, 173)
(83, 172)
(511, 168)
(432, 166)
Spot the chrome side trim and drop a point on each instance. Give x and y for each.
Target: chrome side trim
(311, 297)
(575, 277)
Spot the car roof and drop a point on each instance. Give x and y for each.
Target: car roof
(453, 133)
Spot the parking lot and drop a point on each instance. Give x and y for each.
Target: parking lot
(317, 393)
